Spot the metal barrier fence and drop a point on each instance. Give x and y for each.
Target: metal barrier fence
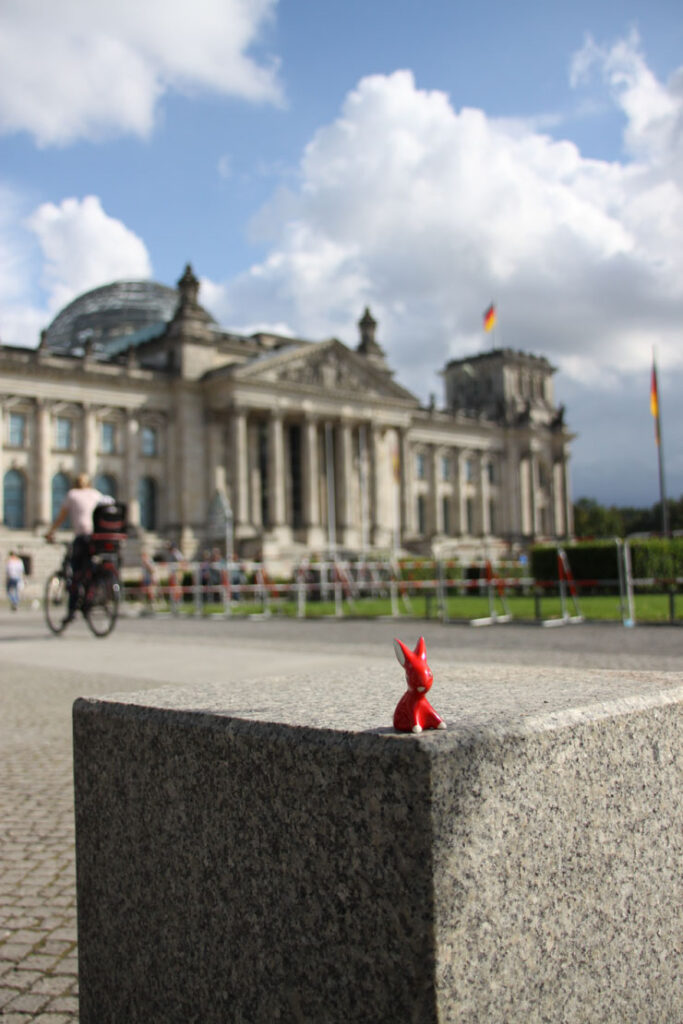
(337, 588)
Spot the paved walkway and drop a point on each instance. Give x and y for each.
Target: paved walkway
(40, 676)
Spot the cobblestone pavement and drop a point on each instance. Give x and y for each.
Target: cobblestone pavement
(38, 965)
(40, 676)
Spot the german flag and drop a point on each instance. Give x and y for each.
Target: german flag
(490, 318)
(654, 394)
(654, 400)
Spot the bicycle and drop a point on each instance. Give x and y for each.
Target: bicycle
(99, 587)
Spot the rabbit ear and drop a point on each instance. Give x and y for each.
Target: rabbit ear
(402, 652)
(420, 649)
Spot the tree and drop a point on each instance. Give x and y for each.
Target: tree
(594, 520)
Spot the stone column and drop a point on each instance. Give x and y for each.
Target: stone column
(435, 524)
(330, 486)
(131, 462)
(462, 493)
(43, 491)
(90, 439)
(311, 474)
(276, 470)
(171, 512)
(456, 512)
(535, 492)
(375, 484)
(484, 493)
(405, 469)
(240, 468)
(216, 470)
(345, 479)
(526, 494)
(365, 516)
(257, 513)
(511, 507)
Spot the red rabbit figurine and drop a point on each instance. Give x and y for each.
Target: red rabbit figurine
(414, 712)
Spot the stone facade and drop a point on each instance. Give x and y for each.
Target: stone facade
(311, 445)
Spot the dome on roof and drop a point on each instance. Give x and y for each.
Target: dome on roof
(112, 313)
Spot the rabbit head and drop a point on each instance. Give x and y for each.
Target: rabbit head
(418, 673)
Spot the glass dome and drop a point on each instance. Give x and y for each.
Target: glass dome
(105, 316)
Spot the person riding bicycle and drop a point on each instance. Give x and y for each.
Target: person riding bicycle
(79, 504)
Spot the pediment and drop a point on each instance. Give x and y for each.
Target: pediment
(327, 366)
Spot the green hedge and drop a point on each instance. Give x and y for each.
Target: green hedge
(590, 561)
(655, 558)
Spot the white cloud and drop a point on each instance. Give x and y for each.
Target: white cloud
(653, 111)
(80, 248)
(405, 200)
(92, 69)
(83, 247)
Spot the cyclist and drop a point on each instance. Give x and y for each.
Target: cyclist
(80, 503)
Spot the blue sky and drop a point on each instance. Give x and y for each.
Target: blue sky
(422, 158)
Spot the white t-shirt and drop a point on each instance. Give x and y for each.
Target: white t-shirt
(14, 568)
(81, 502)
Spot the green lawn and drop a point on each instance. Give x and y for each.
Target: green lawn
(648, 608)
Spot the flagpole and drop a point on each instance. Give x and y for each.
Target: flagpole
(656, 412)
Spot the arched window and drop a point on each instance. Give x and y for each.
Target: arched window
(149, 441)
(105, 483)
(14, 502)
(60, 485)
(147, 496)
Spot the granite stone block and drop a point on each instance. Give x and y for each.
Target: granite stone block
(285, 856)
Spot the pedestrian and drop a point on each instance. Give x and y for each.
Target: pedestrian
(14, 578)
(148, 580)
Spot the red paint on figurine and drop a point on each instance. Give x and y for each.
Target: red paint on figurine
(414, 712)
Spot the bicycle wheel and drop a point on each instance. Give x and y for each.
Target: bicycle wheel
(56, 603)
(102, 602)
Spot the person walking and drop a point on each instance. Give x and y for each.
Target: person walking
(78, 506)
(14, 578)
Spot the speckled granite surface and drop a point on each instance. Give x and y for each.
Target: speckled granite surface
(281, 855)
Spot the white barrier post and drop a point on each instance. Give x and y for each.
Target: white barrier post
(566, 578)
(493, 585)
(301, 596)
(198, 588)
(631, 621)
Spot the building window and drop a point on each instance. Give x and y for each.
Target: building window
(64, 434)
(262, 443)
(420, 466)
(421, 514)
(60, 486)
(107, 438)
(469, 470)
(17, 430)
(147, 496)
(149, 441)
(469, 516)
(493, 525)
(445, 467)
(446, 514)
(491, 472)
(106, 484)
(14, 500)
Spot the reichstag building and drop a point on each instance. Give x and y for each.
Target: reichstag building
(305, 447)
